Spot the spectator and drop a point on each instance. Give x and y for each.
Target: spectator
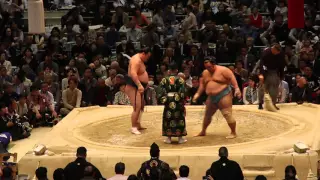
(70, 72)
(8, 94)
(121, 98)
(5, 139)
(48, 63)
(80, 47)
(261, 177)
(282, 9)
(133, 177)
(301, 93)
(190, 22)
(88, 173)
(209, 33)
(151, 38)
(126, 46)
(9, 123)
(41, 173)
(184, 173)
(101, 94)
(224, 168)
(110, 81)
(100, 70)
(193, 90)
(87, 85)
(168, 15)
(134, 34)
(283, 92)
(120, 17)
(7, 173)
(29, 64)
(241, 71)
(71, 97)
(141, 19)
(68, 34)
(256, 18)
(119, 170)
(154, 165)
(89, 35)
(112, 36)
(22, 107)
(290, 173)
(102, 48)
(19, 85)
(150, 94)
(222, 16)
(41, 111)
(250, 93)
(76, 169)
(58, 174)
(4, 62)
(158, 18)
(102, 17)
(4, 77)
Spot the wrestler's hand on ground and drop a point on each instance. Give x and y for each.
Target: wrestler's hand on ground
(140, 89)
(237, 93)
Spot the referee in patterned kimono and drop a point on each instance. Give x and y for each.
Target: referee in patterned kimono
(272, 64)
(173, 97)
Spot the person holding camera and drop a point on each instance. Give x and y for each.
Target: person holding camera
(41, 111)
(9, 123)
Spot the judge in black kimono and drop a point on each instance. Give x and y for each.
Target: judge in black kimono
(148, 168)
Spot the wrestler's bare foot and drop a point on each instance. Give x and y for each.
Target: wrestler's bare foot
(231, 136)
(182, 140)
(201, 134)
(135, 131)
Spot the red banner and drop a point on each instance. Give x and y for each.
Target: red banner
(295, 14)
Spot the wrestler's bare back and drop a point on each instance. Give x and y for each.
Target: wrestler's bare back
(141, 68)
(215, 82)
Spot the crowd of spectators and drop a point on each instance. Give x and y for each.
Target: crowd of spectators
(79, 63)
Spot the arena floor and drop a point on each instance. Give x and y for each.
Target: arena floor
(263, 145)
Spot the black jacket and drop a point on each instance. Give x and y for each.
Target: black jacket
(225, 169)
(75, 170)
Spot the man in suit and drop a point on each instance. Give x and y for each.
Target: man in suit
(209, 33)
(183, 47)
(102, 17)
(225, 49)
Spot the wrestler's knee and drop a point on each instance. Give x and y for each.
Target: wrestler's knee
(227, 114)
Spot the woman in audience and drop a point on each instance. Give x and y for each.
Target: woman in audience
(250, 93)
(7, 37)
(70, 72)
(121, 97)
(141, 19)
(29, 64)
